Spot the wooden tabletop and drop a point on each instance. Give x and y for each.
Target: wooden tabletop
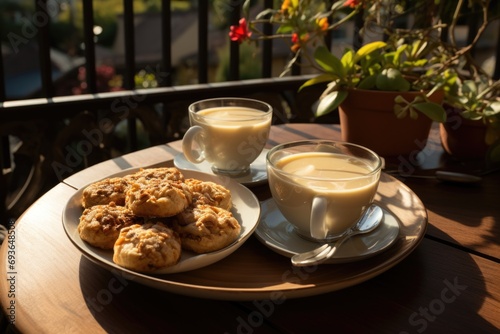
(448, 283)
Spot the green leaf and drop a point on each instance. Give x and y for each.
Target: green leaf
(432, 110)
(492, 109)
(319, 79)
(419, 63)
(347, 60)
(469, 86)
(390, 58)
(400, 112)
(413, 114)
(418, 48)
(330, 102)
(328, 61)
(285, 28)
(368, 82)
(391, 79)
(495, 106)
(367, 49)
(397, 55)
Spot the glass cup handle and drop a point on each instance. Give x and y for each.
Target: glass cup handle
(317, 219)
(190, 139)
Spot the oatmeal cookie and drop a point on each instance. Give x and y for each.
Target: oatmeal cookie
(157, 198)
(104, 192)
(160, 173)
(147, 247)
(206, 228)
(100, 225)
(209, 193)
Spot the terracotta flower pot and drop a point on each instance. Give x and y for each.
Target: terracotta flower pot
(367, 118)
(463, 138)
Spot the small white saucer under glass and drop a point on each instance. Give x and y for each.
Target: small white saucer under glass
(278, 234)
(257, 175)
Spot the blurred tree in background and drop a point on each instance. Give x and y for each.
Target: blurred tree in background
(66, 31)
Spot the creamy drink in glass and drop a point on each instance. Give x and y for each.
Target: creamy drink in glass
(322, 187)
(229, 133)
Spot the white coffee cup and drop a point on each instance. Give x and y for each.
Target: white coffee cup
(229, 133)
(322, 187)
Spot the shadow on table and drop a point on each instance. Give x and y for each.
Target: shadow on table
(123, 306)
(432, 291)
(457, 202)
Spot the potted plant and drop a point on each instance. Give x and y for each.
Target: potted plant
(472, 129)
(412, 67)
(387, 94)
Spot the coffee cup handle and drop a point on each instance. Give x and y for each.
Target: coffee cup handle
(317, 219)
(190, 139)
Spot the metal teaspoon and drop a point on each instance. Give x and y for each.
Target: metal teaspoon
(370, 220)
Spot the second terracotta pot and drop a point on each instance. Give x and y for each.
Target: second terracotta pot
(463, 138)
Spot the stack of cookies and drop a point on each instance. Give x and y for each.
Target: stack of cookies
(148, 218)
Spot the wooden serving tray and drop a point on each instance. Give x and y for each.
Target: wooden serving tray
(254, 271)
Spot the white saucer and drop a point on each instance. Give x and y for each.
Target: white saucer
(278, 234)
(257, 175)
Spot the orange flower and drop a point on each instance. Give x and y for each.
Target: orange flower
(322, 23)
(240, 32)
(289, 7)
(298, 41)
(285, 5)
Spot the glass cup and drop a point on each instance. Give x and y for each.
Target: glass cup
(229, 133)
(322, 187)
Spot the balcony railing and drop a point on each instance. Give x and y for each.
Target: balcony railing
(48, 136)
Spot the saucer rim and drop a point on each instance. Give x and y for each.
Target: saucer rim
(244, 180)
(268, 241)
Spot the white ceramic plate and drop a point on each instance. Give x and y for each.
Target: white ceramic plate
(278, 234)
(257, 175)
(246, 210)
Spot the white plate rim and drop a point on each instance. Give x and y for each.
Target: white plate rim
(243, 199)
